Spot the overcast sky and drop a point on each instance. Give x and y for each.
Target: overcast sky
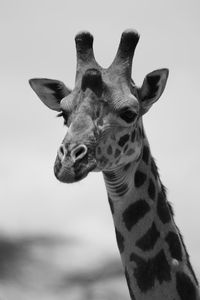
(37, 40)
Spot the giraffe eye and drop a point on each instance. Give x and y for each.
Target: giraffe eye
(127, 115)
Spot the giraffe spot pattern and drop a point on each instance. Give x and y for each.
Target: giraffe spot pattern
(109, 150)
(113, 137)
(130, 152)
(123, 140)
(149, 239)
(185, 287)
(145, 154)
(174, 244)
(151, 190)
(126, 167)
(120, 240)
(147, 271)
(134, 212)
(117, 153)
(104, 160)
(140, 178)
(125, 148)
(129, 285)
(163, 209)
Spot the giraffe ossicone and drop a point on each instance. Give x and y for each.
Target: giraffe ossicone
(105, 133)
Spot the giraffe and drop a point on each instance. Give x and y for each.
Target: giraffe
(104, 118)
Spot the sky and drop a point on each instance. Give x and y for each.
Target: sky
(37, 40)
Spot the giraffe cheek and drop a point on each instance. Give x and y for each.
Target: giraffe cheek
(101, 158)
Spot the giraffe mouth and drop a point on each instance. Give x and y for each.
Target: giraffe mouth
(68, 172)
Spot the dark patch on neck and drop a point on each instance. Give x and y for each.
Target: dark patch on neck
(174, 244)
(134, 212)
(109, 150)
(130, 152)
(127, 166)
(129, 285)
(151, 189)
(185, 287)
(117, 153)
(145, 154)
(149, 239)
(140, 178)
(126, 148)
(147, 271)
(163, 207)
(120, 240)
(123, 140)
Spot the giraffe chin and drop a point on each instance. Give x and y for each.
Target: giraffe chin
(69, 172)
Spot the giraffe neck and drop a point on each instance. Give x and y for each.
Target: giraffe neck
(153, 254)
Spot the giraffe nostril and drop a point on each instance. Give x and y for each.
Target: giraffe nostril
(62, 152)
(79, 152)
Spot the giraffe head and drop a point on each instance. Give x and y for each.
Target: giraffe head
(103, 112)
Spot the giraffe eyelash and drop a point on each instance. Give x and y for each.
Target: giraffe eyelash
(128, 115)
(59, 115)
(62, 114)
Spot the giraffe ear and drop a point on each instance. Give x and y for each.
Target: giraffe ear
(152, 88)
(50, 91)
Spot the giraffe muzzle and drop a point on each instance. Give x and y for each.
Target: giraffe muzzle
(75, 154)
(74, 164)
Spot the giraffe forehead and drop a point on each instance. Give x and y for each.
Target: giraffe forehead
(107, 79)
(113, 98)
(78, 99)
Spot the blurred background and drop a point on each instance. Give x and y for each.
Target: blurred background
(57, 241)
